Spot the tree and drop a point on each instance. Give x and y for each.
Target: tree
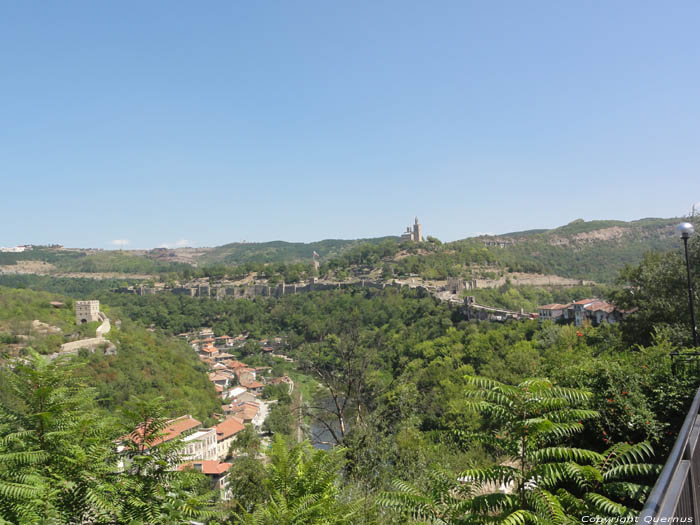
(656, 291)
(247, 441)
(56, 459)
(445, 499)
(531, 419)
(280, 420)
(150, 489)
(302, 484)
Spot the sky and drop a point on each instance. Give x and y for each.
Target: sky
(145, 124)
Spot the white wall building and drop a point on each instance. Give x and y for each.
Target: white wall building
(201, 445)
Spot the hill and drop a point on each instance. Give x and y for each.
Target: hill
(146, 363)
(594, 250)
(281, 251)
(587, 250)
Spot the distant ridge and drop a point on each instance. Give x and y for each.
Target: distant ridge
(282, 251)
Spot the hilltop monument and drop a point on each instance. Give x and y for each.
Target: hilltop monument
(415, 235)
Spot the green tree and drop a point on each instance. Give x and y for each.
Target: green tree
(56, 459)
(150, 490)
(302, 484)
(531, 420)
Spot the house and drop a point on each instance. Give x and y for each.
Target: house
(603, 312)
(284, 379)
(181, 426)
(216, 471)
(247, 412)
(207, 361)
(225, 435)
(234, 365)
(219, 379)
(223, 356)
(208, 351)
(552, 312)
(245, 375)
(246, 397)
(253, 386)
(237, 391)
(580, 310)
(224, 340)
(278, 380)
(200, 445)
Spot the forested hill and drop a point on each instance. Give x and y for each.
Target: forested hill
(146, 363)
(281, 251)
(594, 250)
(589, 250)
(584, 249)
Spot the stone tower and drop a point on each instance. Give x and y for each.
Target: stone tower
(87, 311)
(417, 231)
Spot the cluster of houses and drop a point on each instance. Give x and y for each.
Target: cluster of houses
(204, 448)
(593, 310)
(238, 385)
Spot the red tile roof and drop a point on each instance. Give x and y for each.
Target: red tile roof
(228, 428)
(553, 306)
(174, 429)
(253, 384)
(207, 467)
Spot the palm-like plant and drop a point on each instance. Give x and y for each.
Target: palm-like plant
(303, 488)
(55, 452)
(445, 499)
(614, 484)
(544, 480)
(150, 489)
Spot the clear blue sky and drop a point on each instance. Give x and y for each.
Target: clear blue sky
(212, 122)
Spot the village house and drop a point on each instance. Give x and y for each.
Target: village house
(247, 412)
(225, 435)
(593, 310)
(224, 340)
(245, 375)
(552, 312)
(284, 379)
(602, 312)
(253, 386)
(220, 379)
(200, 445)
(216, 471)
(237, 391)
(208, 351)
(199, 442)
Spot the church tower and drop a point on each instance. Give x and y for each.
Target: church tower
(417, 231)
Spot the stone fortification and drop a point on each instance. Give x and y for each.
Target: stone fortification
(87, 311)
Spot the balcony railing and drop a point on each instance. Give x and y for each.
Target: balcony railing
(674, 498)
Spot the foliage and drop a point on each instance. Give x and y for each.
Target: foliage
(302, 488)
(59, 464)
(657, 291)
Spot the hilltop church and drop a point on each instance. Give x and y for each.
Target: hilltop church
(416, 235)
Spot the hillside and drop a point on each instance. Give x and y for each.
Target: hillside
(281, 251)
(590, 250)
(594, 250)
(146, 363)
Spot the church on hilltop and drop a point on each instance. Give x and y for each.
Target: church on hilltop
(416, 235)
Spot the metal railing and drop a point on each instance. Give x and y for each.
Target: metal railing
(676, 492)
